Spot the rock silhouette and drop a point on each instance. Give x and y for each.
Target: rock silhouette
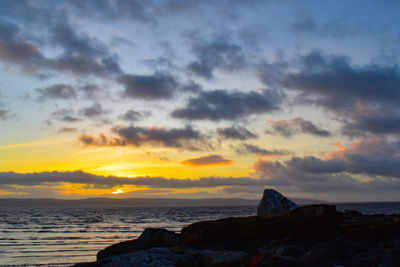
(274, 202)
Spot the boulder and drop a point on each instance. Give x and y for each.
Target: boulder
(220, 258)
(274, 202)
(151, 237)
(171, 257)
(315, 222)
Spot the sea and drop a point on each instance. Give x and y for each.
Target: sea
(63, 236)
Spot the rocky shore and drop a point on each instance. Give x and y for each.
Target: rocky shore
(315, 235)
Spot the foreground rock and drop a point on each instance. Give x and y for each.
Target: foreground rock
(274, 202)
(176, 256)
(315, 222)
(151, 237)
(316, 235)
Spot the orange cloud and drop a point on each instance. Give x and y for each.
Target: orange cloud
(338, 153)
(364, 146)
(340, 147)
(207, 160)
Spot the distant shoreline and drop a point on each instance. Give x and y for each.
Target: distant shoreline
(137, 202)
(151, 202)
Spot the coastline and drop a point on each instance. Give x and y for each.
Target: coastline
(309, 235)
(21, 239)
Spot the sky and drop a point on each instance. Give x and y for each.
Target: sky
(200, 99)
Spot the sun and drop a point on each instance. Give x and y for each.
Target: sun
(118, 191)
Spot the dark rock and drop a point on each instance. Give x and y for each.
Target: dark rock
(356, 216)
(395, 250)
(390, 260)
(290, 251)
(273, 202)
(343, 250)
(142, 258)
(194, 260)
(284, 262)
(158, 237)
(316, 235)
(225, 258)
(151, 237)
(314, 222)
(168, 257)
(318, 256)
(379, 229)
(365, 261)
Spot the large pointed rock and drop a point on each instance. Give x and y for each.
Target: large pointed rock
(274, 202)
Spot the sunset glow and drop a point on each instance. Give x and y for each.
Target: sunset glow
(200, 99)
(119, 191)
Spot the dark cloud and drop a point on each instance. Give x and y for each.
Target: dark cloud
(68, 118)
(279, 175)
(117, 41)
(182, 138)
(64, 35)
(101, 140)
(94, 111)
(65, 115)
(304, 24)
(315, 165)
(287, 128)
(330, 81)
(135, 9)
(133, 115)
(92, 91)
(219, 105)
(201, 69)
(4, 114)
(57, 91)
(8, 31)
(17, 51)
(84, 65)
(152, 12)
(30, 12)
(31, 179)
(219, 54)
(369, 163)
(272, 73)
(252, 149)
(191, 87)
(67, 130)
(207, 161)
(366, 98)
(375, 123)
(339, 27)
(280, 127)
(29, 57)
(149, 87)
(310, 128)
(180, 6)
(283, 178)
(174, 137)
(236, 133)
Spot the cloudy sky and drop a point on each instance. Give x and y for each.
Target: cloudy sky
(199, 99)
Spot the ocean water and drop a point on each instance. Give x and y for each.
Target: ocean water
(57, 236)
(61, 236)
